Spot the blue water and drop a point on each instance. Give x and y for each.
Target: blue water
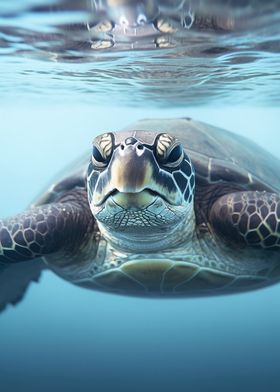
(64, 338)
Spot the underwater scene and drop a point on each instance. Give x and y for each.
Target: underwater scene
(145, 259)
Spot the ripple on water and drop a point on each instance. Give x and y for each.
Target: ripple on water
(178, 54)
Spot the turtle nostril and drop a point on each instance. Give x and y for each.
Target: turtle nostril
(122, 146)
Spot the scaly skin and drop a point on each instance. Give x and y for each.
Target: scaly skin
(249, 218)
(47, 229)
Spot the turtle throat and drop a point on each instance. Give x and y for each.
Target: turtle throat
(152, 238)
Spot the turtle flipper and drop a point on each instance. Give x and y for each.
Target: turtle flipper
(15, 279)
(46, 229)
(249, 218)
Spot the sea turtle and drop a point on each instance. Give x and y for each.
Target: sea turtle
(169, 207)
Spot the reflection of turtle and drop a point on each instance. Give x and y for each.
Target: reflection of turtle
(152, 226)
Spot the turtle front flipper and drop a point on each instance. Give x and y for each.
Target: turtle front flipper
(248, 218)
(15, 279)
(40, 231)
(47, 229)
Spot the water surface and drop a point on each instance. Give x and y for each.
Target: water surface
(85, 50)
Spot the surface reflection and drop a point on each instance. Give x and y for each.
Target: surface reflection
(184, 52)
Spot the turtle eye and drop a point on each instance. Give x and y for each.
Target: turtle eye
(98, 159)
(169, 151)
(102, 150)
(175, 156)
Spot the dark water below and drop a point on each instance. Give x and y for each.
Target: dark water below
(57, 92)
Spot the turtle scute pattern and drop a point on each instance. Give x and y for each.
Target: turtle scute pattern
(29, 236)
(252, 218)
(45, 229)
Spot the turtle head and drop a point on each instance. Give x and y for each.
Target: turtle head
(140, 188)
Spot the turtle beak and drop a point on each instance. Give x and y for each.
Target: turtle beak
(127, 178)
(131, 170)
(134, 201)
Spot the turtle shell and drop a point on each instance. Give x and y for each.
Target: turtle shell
(72, 177)
(217, 155)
